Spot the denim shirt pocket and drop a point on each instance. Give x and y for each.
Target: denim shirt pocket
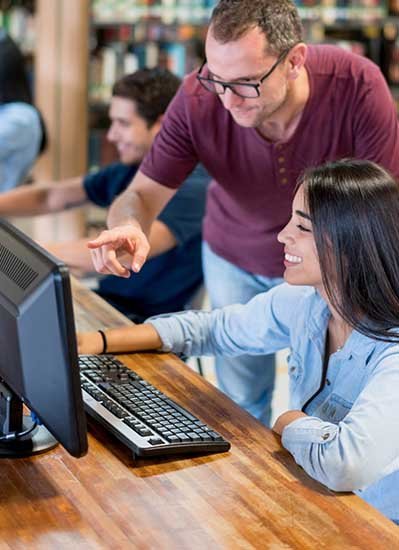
(295, 374)
(336, 408)
(295, 369)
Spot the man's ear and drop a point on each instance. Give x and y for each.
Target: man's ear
(296, 60)
(157, 125)
(159, 121)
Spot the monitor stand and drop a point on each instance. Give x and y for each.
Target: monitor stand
(13, 421)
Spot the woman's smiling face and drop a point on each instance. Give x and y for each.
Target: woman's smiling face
(300, 255)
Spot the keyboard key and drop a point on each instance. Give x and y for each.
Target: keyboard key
(155, 441)
(183, 437)
(193, 436)
(172, 438)
(215, 436)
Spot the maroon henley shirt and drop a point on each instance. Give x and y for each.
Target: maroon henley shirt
(350, 113)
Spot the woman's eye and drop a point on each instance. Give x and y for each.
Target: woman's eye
(301, 228)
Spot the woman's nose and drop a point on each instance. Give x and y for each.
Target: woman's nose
(284, 236)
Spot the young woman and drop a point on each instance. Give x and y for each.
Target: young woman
(22, 131)
(339, 314)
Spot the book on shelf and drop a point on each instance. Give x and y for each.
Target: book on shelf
(115, 59)
(335, 11)
(393, 6)
(390, 53)
(167, 10)
(18, 21)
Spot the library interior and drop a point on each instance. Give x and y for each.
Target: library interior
(197, 347)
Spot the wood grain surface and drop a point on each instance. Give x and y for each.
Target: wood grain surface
(254, 496)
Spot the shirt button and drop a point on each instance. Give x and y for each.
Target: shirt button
(325, 436)
(292, 369)
(328, 382)
(281, 159)
(284, 181)
(282, 170)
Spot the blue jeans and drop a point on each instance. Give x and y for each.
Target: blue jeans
(248, 380)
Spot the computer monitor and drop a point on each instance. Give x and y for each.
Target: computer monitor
(38, 352)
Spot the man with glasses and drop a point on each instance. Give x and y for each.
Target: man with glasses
(262, 108)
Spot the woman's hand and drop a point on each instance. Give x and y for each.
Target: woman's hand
(89, 343)
(286, 418)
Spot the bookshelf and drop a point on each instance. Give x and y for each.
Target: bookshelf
(142, 36)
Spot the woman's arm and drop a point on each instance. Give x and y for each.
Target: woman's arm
(285, 419)
(359, 450)
(232, 331)
(121, 339)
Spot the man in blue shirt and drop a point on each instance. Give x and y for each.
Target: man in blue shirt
(174, 272)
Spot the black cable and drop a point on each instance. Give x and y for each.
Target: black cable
(11, 436)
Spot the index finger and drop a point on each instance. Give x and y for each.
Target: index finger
(102, 240)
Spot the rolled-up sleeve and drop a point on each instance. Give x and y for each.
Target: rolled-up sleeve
(259, 327)
(363, 447)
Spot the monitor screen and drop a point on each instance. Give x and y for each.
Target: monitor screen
(38, 352)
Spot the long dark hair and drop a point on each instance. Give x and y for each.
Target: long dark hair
(354, 208)
(14, 84)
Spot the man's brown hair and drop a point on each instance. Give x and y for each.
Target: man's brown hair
(278, 20)
(150, 89)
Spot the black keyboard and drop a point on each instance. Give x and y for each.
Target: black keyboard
(140, 415)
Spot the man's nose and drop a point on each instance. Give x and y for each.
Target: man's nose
(111, 134)
(230, 99)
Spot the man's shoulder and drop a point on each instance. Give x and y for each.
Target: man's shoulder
(103, 185)
(333, 62)
(194, 94)
(192, 87)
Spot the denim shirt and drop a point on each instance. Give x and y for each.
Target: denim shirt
(20, 138)
(350, 440)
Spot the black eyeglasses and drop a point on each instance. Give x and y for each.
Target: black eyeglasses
(242, 89)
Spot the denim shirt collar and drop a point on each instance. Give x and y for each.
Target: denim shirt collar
(357, 344)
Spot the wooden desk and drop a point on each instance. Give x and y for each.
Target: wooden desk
(252, 497)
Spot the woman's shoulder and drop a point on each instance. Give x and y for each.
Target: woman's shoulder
(18, 111)
(295, 293)
(20, 122)
(293, 303)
